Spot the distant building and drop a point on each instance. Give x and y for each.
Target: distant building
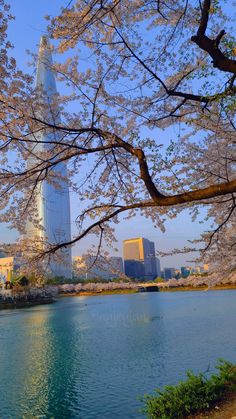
(169, 273)
(200, 269)
(8, 266)
(158, 266)
(88, 266)
(139, 259)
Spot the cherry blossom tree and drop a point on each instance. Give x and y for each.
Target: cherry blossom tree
(150, 103)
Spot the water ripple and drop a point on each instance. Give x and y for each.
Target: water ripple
(90, 358)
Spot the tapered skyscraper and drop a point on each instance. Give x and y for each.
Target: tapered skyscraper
(53, 202)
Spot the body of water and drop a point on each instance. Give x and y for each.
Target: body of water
(93, 357)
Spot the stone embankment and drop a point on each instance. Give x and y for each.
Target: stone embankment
(24, 298)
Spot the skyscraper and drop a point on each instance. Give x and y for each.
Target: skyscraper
(139, 258)
(52, 202)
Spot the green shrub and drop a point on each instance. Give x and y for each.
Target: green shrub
(193, 395)
(159, 279)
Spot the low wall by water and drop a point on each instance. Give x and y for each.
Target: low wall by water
(24, 298)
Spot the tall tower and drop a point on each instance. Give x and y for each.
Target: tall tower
(53, 201)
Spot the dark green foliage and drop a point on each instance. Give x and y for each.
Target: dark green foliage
(20, 280)
(57, 280)
(23, 281)
(159, 279)
(195, 394)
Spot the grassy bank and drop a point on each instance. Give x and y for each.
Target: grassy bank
(198, 393)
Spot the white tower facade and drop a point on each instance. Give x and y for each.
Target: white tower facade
(53, 201)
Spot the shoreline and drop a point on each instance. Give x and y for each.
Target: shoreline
(136, 291)
(94, 293)
(15, 302)
(24, 297)
(200, 288)
(25, 304)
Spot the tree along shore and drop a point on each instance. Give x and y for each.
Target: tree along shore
(130, 287)
(29, 296)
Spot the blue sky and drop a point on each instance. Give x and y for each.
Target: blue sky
(24, 33)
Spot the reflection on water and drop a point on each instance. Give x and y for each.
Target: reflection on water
(92, 357)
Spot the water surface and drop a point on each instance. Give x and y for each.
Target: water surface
(92, 357)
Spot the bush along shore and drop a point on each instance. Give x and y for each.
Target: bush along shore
(195, 395)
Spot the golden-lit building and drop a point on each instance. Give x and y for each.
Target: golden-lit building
(140, 259)
(8, 266)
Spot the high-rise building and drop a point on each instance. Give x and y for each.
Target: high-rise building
(8, 266)
(140, 259)
(52, 202)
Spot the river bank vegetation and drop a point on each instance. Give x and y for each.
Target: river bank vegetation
(91, 288)
(30, 294)
(198, 393)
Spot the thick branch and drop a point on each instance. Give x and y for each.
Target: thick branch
(166, 201)
(211, 46)
(204, 17)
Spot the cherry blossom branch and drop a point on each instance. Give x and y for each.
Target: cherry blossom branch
(209, 192)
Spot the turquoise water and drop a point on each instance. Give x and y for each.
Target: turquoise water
(92, 357)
